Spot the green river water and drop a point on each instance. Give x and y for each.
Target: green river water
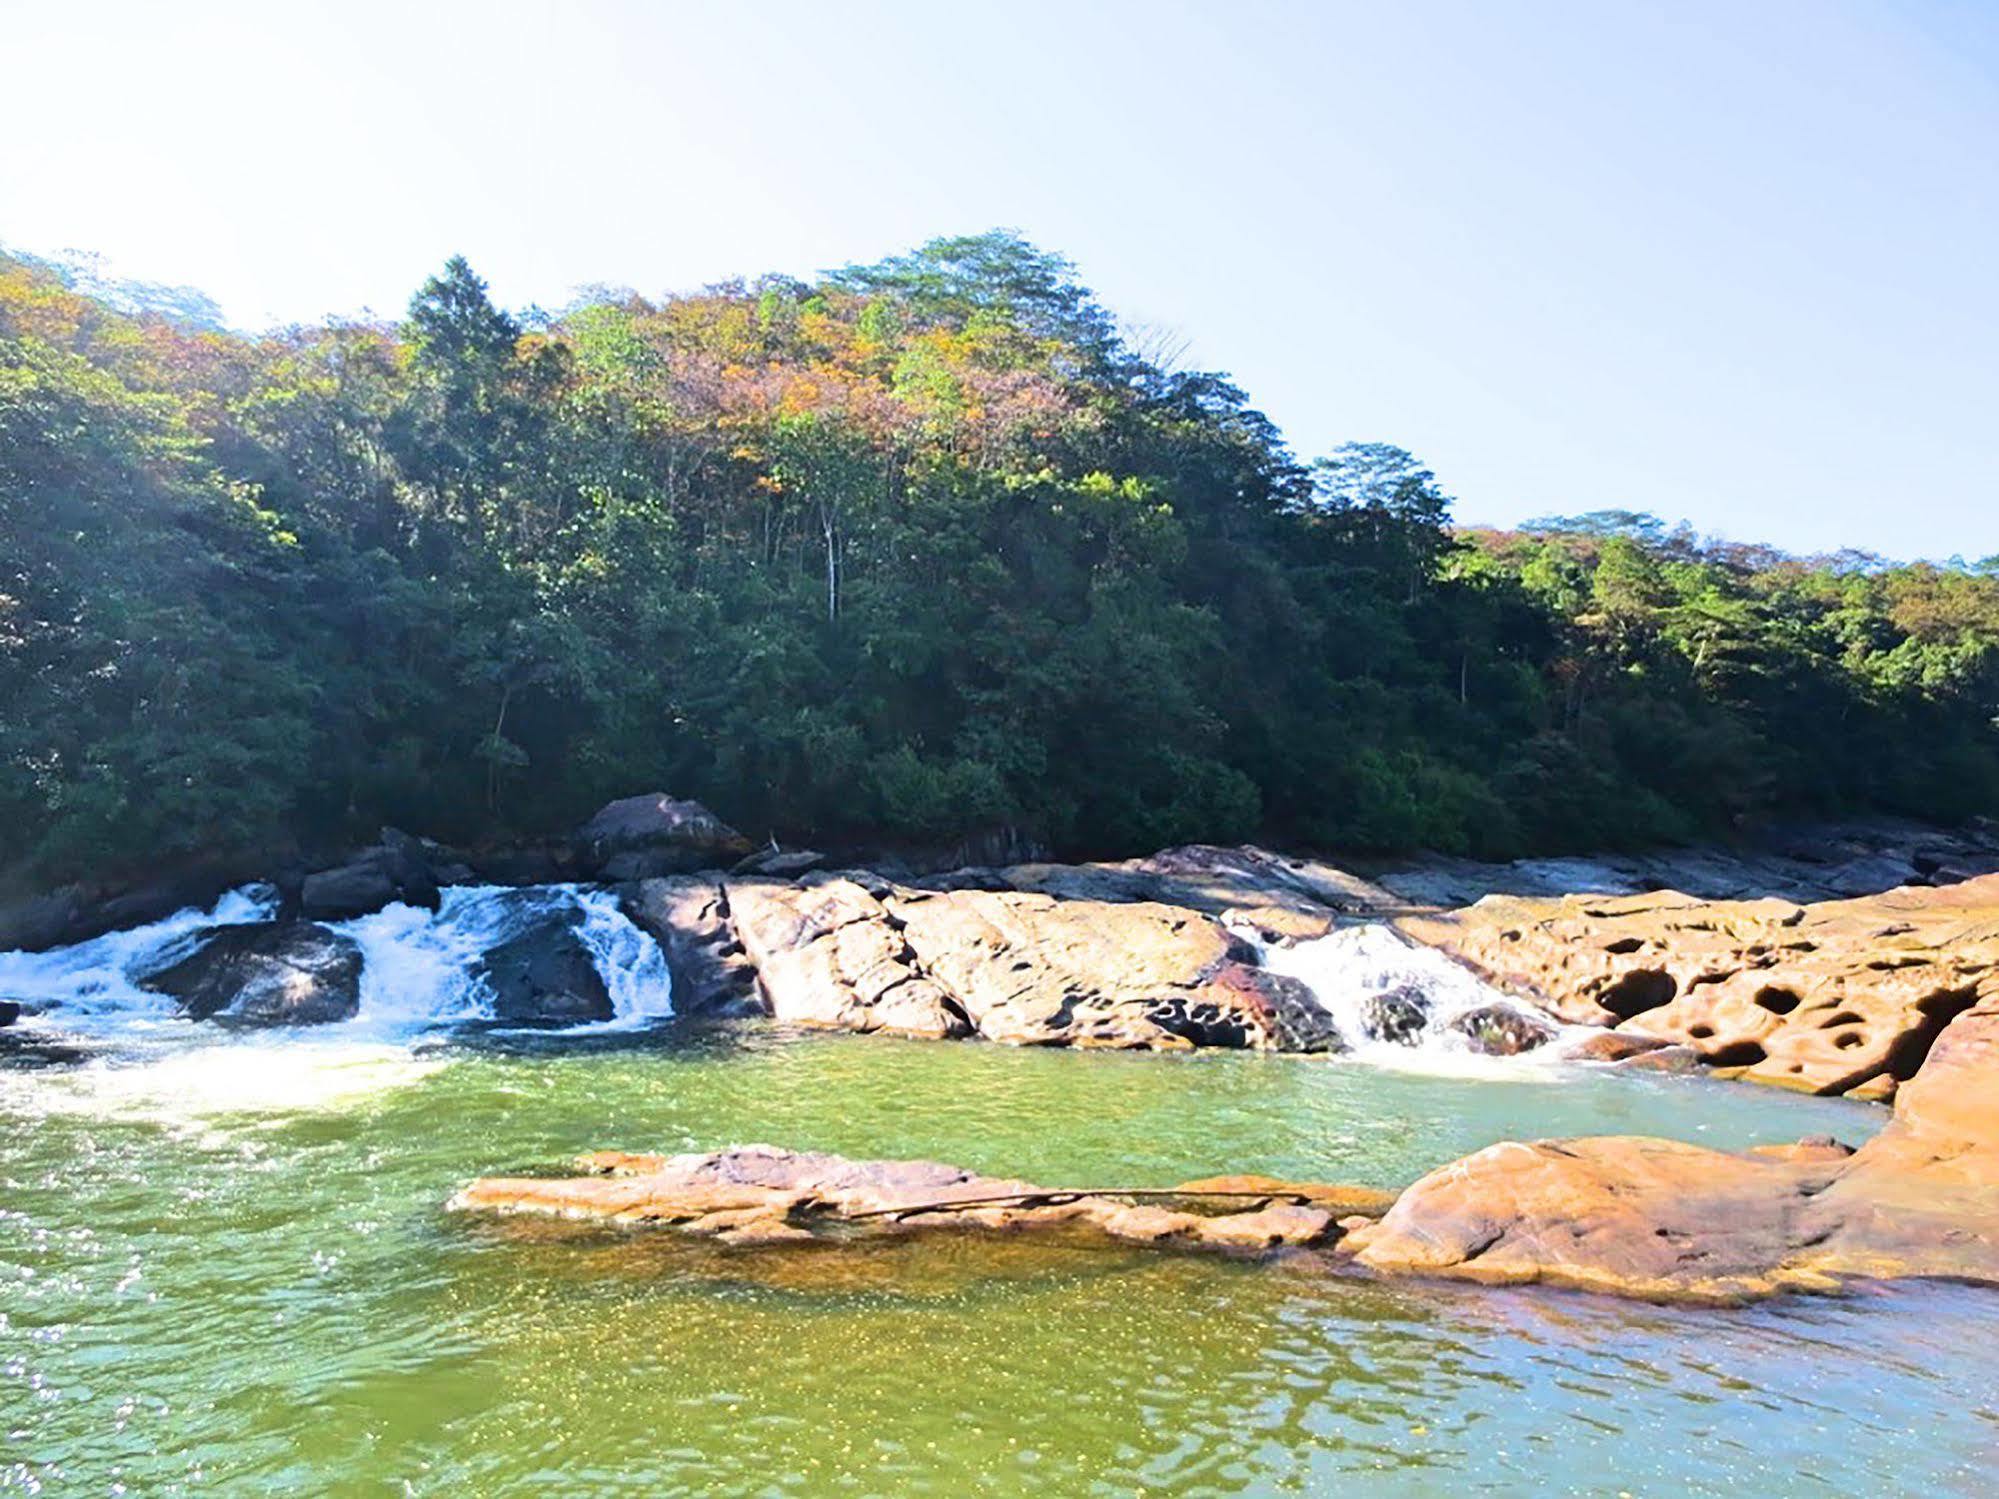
(225, 1269)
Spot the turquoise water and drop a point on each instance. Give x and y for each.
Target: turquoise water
(224, 1268)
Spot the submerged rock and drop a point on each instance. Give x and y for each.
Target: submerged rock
(1400, 1015)
(10, 1011)
(758, 1194)
(545, 975)
(1501, 1030)
(269, 973)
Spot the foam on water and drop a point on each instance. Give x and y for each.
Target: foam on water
(417, 965)
(418, 979)
(1351, 964)
(93, 984)
(186, 1087)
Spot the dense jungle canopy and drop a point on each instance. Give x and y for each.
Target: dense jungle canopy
(919, 552)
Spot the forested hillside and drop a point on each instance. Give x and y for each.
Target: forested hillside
(921, 551)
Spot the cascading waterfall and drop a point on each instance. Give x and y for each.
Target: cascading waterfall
(93, 985)
(421, 974)
(1351, 969)
(419, 967)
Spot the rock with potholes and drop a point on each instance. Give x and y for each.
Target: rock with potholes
(641, 837)
(1664, 1220)
(1839, 997)
(544, 975)
(758, 1194)
(268, 973)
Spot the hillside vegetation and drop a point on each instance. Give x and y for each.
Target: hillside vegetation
(922, 551)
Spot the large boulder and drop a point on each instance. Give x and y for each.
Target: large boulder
(10, 1011)
(1028, 969)
(544, 975)
(36, 921)
(397, 868)
(827, 953)
(1838, 997)
(640, 837)
(267, 973)
(1033, 969)
(43, 919)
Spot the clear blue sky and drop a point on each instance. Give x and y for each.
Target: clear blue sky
(1737, 262)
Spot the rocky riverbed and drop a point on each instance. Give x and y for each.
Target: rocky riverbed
(1788, 976)
(1631, 1216)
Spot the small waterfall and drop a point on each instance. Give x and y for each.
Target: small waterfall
(417, 968)
(92, 983)
(1394, 1000)
(418, 973)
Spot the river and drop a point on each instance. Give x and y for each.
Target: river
(225, 1268)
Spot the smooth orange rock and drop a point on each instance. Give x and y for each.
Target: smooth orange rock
(1659, 1219)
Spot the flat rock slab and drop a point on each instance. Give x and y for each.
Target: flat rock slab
(759, 1194)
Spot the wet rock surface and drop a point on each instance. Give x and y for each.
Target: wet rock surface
(689, 917)
(762, 1195)
(545, 975)
(1839, 997)
(275, 973)
(1498, 1030)
(1399, 1015)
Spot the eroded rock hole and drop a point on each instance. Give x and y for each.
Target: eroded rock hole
(1912, 1048)
(1737, 1054)
(1777, 1001)
(1638, 991)
(1624, 945)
